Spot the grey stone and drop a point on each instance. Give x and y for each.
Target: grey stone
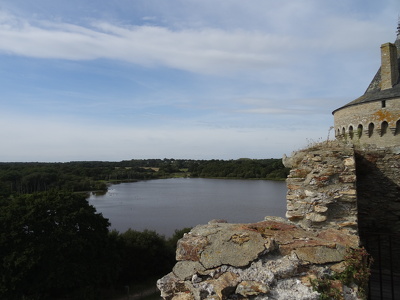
(251, 288)
(292, 288)
(321, 254)
(257, 271)
(235, 248)
(186, 269)
(283, 267)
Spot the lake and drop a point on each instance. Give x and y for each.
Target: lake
(164, 205)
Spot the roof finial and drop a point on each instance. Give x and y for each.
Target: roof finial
(398, 27)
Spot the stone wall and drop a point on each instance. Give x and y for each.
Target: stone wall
(378, 185)
(272, 259)
(349, 188)
(322, 187)
(354, 123)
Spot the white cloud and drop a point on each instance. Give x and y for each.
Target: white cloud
(202, 49)
(288, 107)
(274, 111)
(207, 50)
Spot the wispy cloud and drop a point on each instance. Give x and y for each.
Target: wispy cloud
(287, 107)
(206, 51)
(274, 111)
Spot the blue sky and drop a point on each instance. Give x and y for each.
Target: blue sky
(196, 79)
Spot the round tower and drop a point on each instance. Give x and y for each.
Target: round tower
(374, 118)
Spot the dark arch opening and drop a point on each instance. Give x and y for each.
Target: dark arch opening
(343, 132)
(371, 127)
(351, 133)
(384, 128)
(359, 130)
(397, 131)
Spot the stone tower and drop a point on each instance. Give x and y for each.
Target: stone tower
(374, 118)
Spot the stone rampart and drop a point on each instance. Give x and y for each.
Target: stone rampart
(272, 259)
(322, 187)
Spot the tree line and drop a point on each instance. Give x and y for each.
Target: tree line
(241, 168)
(23, 178)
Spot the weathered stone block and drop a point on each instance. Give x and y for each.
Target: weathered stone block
(170, 287)
(348, 178)
(321, 254)
(349, 162)
(320, 208)
(343, 237)
(186, 269)
(293, 288)
(293, 186)
(233, 248)
(223, 285)
(251, 288)
(190, 247)
(314, 217)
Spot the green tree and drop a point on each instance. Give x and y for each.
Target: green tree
(52, 243)
(145, 255)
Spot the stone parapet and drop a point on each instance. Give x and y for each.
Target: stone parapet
(272, 259)
(321, 186)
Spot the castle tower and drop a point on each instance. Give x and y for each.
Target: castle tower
(374, 118)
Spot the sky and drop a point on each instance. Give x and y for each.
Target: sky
(114, 80)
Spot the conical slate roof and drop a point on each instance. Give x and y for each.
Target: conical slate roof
(374, 92)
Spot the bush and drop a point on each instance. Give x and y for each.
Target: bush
(145, 254)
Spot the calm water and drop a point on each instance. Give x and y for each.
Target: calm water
(164, 205)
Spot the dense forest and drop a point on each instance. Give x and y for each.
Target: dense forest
(23, 178)
(54, 245)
